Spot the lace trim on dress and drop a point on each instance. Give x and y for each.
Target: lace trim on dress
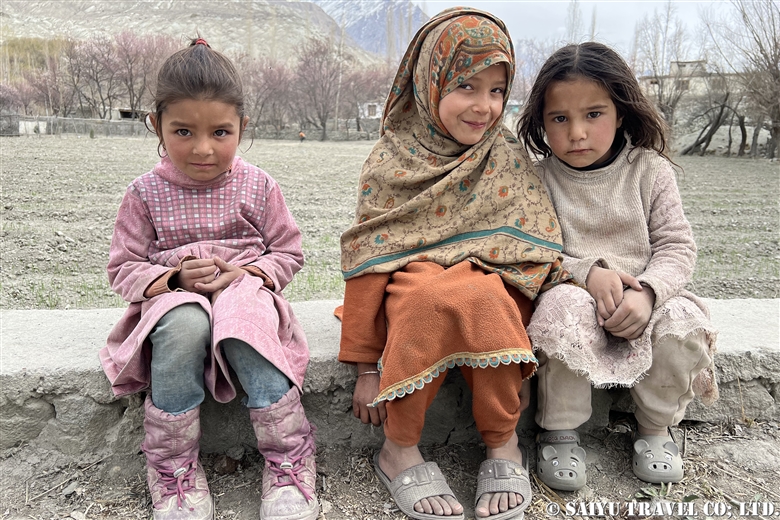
(417, 382)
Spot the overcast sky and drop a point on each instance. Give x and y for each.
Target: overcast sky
(615, 20)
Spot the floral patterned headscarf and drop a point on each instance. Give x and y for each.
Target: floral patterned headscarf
(423, 196)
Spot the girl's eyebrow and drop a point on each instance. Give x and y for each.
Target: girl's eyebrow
(225, 124)
(587, 109)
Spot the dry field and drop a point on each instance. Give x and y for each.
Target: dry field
(59, 200)
(60, 196)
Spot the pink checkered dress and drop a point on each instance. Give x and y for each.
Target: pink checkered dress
(241, 217)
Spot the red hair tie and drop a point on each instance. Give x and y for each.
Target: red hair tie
(201, 41)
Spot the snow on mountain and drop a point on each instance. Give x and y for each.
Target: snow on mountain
(384, 27)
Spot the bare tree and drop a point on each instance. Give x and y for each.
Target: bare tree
(316, 80)
(266, 90)
(53, 89)
(530, 55)
(661, 43)
(573, 22)
(747, 36)
(92, 71)
(363, 86)
(9, 99)
(137, 59)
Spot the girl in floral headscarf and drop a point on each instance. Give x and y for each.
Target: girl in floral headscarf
(453, 238)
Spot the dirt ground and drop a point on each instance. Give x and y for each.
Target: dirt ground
(728, 467)
(60, 197)
(59, 200)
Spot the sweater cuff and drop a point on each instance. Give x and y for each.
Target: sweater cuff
(160, 285)
(359, 357)
(658, 287)
(580, 268)
(256, 271)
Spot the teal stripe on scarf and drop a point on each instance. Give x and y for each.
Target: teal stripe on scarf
(451, 240)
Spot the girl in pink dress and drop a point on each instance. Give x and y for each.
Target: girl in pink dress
(203, 246)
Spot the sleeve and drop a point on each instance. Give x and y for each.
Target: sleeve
(283, 256)
(363, 325)
(580, 267)
(129, 270)
(673, 249)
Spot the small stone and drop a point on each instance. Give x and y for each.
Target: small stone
(327, 507)
(225, 465)
(586, 492)
(78, 515)
(235, 452)
(70, 489)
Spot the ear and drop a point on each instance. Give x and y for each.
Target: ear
(619, 122)
(244, 122)
(153, 120)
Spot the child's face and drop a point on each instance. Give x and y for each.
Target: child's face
(200, 136)
(472, 108)
(580, 121)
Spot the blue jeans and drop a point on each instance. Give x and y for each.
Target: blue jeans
(180, 343)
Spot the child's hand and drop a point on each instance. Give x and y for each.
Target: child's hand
(194, 273)
(366, 390)
(606, 287)
(227, 273)
(633, 314)
(525, 395)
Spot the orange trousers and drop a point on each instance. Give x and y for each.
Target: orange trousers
(460, 304)
(495, 406)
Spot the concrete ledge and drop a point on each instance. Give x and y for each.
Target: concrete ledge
(53, 392)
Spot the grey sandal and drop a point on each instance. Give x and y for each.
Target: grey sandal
(505, 476)
(413, 484)
(657, 459)
(560, 461)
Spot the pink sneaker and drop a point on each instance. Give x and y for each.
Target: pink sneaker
(285, 438)
(176, 479)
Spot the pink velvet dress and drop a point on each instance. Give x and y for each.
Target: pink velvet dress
(240, 217)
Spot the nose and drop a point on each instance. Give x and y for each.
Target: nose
(577, 131)
(482, 103)
(202, 147)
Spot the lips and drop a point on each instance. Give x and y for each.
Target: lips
(475, 125)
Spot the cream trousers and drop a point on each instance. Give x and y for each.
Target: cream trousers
(661, 397)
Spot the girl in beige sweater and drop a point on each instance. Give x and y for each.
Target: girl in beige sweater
(627, 243)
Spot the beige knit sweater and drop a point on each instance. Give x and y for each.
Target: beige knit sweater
(627, 216)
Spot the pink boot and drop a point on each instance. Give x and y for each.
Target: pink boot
(286, 440)
(176, 479)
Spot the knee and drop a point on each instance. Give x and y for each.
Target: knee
(182, 335)
(189, 323)
(566, 297)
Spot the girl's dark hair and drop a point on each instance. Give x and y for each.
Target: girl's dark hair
(595, 62)
(197, 72)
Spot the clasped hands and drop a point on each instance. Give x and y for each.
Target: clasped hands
(623, 305)
(200, 276)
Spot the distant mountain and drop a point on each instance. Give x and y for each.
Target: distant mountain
(384, 27)
(257, 27)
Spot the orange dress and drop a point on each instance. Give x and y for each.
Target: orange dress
(423, 320)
